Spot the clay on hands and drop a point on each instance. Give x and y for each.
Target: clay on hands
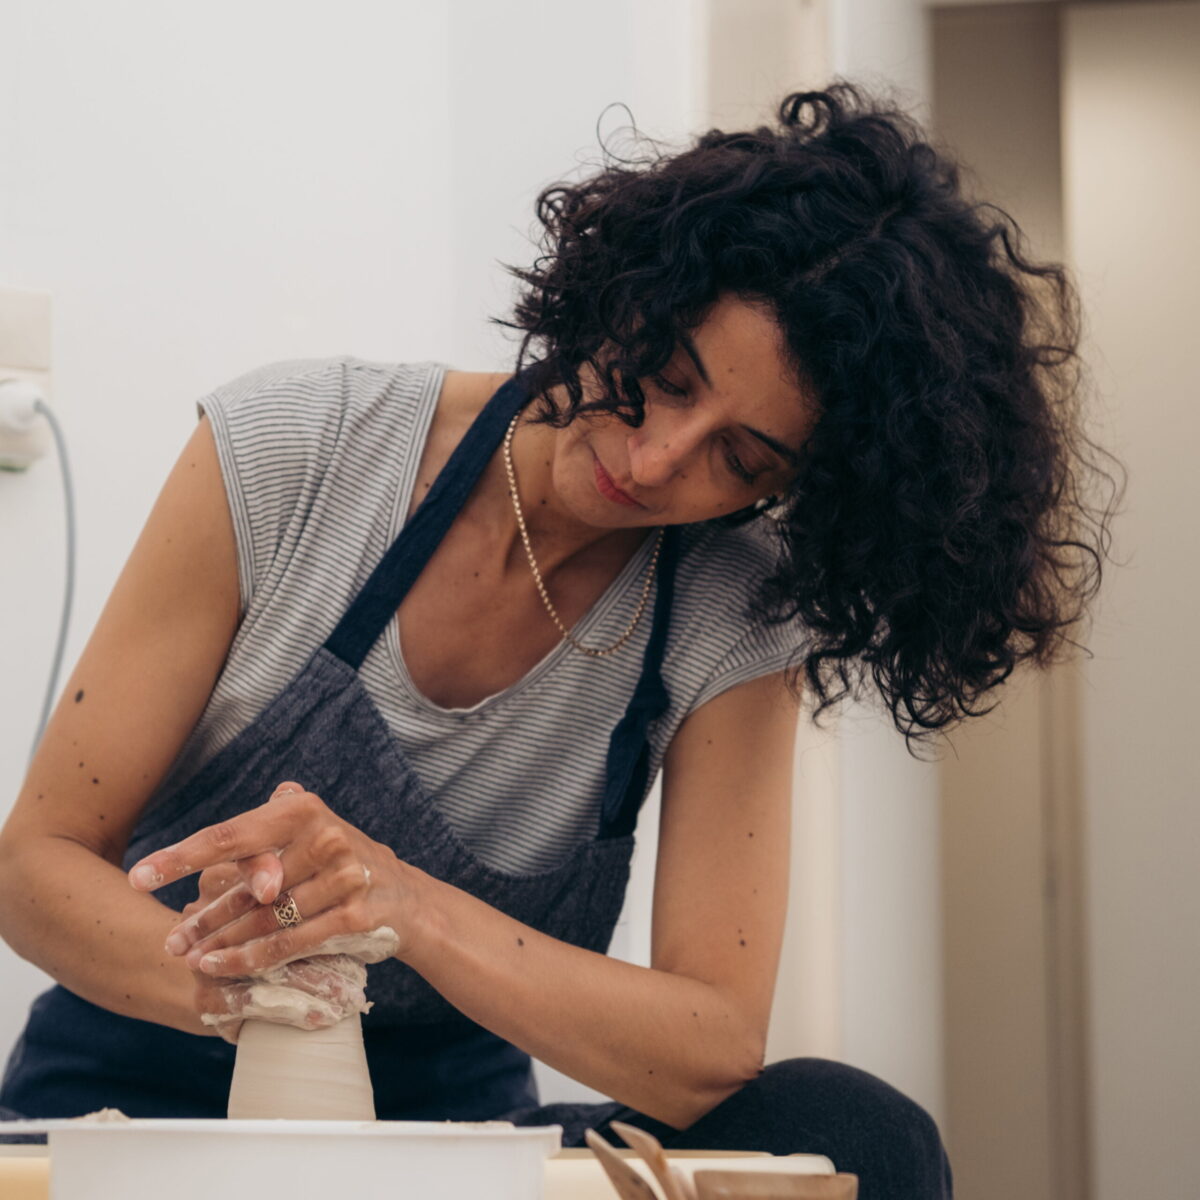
(310, 993)
(310, 990)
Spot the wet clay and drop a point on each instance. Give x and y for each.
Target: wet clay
(282, 1071)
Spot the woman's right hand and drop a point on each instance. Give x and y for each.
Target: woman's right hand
(319, 991)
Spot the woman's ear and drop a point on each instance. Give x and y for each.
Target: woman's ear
(750, 512)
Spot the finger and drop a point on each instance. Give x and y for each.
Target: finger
(216, 881)
(220, 1003)
(263, 875)
(209, 918)
(257, 831)
(274, 949)
(331, 890)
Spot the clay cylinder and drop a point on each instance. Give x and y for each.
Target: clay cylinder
(301, 1074)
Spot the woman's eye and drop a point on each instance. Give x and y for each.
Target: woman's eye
(739, 468)
(746, 474)
(665, 385)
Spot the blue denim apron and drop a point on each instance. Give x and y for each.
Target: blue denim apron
(427, 1060)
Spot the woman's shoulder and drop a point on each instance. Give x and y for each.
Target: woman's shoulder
(337, 378)
(314, 406)
(718, 579)
(737, 557)
(718, 638)
(272, 375)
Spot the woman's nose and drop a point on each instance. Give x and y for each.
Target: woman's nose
(660, 448)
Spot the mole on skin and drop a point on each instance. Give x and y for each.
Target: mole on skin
(78, 696)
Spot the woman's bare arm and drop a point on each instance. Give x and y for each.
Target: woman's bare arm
(675, 1039)
(134, 696)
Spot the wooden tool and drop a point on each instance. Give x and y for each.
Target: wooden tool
(629, 1184)
(756, 1185)
(650, 1148)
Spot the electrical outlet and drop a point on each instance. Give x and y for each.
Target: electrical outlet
(24, 331)
(24, 356)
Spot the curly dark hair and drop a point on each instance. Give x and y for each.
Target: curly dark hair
(941, 528)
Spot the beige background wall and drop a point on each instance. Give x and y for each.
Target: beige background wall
(1069, 826)
(996, 106)
(1131, 88)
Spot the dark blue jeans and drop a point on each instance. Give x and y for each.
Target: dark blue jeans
(800, 1106)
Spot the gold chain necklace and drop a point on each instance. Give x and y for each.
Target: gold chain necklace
(537, 575)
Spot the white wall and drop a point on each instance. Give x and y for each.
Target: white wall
(1131, 131)
(203, 189)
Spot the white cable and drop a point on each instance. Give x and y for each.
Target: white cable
(69, 495)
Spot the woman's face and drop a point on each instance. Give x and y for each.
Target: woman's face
(719, 433)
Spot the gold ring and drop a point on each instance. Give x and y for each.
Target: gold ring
(286, 912)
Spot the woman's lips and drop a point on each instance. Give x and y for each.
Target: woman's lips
(610, 490)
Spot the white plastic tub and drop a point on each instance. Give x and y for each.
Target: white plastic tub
(302, 1160)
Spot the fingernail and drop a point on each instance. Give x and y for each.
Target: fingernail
(211, 963)
(259, 883)
(193, 958)
(177, 943)
(145, 877)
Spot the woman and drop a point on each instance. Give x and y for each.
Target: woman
(799, 404)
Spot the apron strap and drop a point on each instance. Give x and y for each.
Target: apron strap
(628, 764)
(384, 591)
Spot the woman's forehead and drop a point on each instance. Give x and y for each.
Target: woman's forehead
(738, 353)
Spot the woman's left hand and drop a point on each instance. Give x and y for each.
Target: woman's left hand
(341, 882)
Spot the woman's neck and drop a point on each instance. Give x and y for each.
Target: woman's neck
(558, 537)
